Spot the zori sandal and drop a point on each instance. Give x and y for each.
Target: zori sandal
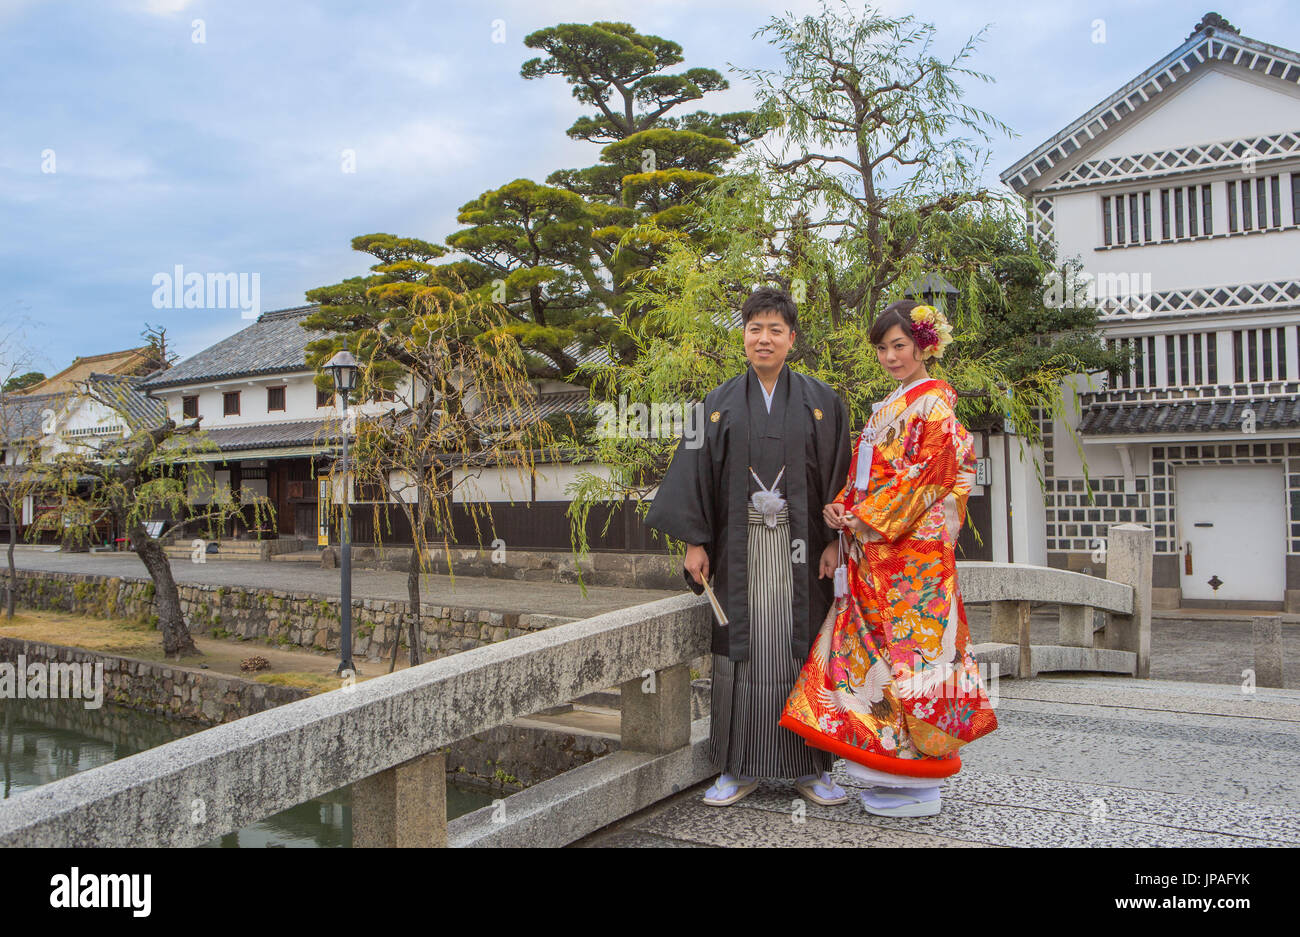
(727, 790)
(821, 789)
(897, 802)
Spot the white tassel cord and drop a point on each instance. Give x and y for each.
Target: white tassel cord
(768, 501)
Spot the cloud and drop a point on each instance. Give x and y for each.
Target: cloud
(163, 7)
(424, 67)
(427, 146)
(12, 9)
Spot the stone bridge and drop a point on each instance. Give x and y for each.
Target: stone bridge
(1087, 760)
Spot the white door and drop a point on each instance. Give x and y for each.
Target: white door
(1232, 532)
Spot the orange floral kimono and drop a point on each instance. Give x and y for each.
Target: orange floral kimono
(890, 682)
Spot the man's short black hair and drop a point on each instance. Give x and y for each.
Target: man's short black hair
(771, 299)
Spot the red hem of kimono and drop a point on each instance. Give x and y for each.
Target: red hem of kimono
(921, 768)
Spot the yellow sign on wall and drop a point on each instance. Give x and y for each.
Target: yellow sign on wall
(323, 513)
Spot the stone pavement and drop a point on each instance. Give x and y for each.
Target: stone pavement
(1075, 761)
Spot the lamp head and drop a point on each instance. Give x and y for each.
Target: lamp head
(343, 368)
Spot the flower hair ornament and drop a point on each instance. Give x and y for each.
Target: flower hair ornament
(930, 331)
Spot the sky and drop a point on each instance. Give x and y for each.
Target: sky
(240, 137)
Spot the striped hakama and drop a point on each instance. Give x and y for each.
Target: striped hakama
(748, 696)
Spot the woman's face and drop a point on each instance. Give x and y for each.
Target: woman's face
(899, 356)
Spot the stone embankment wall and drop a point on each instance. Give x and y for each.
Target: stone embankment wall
(278, 618)
(207, 698)
(625, 570)
(504, 758)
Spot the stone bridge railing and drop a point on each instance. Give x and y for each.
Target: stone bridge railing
(1118, 641)
(387, 736)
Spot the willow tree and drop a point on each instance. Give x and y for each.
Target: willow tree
(465, 401)
(20, 429)
(144, 468)
(877, 146)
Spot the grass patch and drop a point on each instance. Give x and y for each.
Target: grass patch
(112, 636)
(316, 682)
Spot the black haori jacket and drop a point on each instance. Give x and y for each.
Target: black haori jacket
(704, 495)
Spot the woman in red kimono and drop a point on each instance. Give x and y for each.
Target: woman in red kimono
(890, 684)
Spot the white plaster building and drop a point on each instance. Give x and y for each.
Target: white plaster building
(277, 436)
(42, 426)
(257, 402)
(1180, 194)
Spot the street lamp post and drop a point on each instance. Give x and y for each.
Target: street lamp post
(344, 369)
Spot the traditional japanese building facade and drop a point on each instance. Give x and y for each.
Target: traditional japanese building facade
(277, 435)
(38, 427)
(1180, 195)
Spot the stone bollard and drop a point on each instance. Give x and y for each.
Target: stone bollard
(1129, 552)
(660, 721)
(403, 806)
(1266, 632)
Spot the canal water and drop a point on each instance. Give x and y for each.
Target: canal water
(45, 740)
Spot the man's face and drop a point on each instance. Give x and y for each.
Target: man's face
(767, 340)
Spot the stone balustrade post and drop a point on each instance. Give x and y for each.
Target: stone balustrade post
(1010, 625)
(656, 711)
(405, 806)
(1075, 626)
(1129, 552)
(1266, 636)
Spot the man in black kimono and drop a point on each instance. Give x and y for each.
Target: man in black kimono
(747, 500)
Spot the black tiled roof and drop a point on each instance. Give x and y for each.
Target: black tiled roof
(21, 418)
(569, 401)
(275, 435)
(22, 414)
(544, 405)
(1189, 416)
(125, 391)
(275, 343)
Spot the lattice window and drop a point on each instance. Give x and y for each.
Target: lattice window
(1142, 372)
(1191, 359)
(1259, 355)
(1255, 204)
(1079, 514)
(1126, 219)
(1185, 212)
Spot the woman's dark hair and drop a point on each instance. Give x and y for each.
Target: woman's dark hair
(770, 299)
(896, 313)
